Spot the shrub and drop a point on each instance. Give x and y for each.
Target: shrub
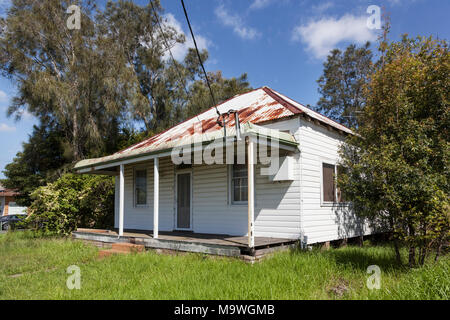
(73, 201)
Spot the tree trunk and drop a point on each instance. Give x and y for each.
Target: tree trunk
(361, 241)
(75, 147)
(398, 257)
(422, 255)
(438, 252)
(412, 256)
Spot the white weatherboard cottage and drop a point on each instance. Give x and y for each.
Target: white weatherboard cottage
(300, 201)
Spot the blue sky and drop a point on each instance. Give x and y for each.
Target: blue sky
(279, 43)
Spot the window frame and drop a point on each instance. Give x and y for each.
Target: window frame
(336, 201)
(230, 186)
(135, 170)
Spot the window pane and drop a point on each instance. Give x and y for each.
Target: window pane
(239, 170)
(141, 187)
(328, 182)
(239, 184)
(236, 192)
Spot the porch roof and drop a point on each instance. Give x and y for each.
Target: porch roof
(257, 106)
(285, 141)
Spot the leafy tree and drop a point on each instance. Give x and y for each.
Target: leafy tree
(398, 163)
(74, 78)
(40, 162)
(223, 89)
(341, 85)
(144, 40)
(71, 202)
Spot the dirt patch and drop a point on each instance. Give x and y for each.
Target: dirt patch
(340, 288)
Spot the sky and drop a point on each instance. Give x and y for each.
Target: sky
(278, 43)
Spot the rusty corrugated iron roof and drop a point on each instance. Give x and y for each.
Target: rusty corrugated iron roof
(257, 106)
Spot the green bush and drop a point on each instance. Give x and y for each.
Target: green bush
(73, 201)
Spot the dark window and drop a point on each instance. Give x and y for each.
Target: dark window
(328, 184)
(140, 187)
(239, 183)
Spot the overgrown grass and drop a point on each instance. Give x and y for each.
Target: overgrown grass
(35, 268)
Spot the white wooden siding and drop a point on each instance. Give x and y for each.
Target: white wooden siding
(141, 217)
(282, 209)
(321, 222)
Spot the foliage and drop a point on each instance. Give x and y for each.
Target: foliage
(398, 163)
(341, 85)
(40, 267)
(223, 89)
(40, 162)
(72, 78)
(73, 201)
(90, 82)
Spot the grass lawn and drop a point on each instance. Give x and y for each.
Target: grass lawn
(35, 268)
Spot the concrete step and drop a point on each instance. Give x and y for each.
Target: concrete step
(128, 247)
(106, 253)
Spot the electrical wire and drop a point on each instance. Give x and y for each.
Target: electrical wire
(183, 80)
(200, 60)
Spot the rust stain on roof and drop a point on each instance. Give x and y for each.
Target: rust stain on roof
(257, 106)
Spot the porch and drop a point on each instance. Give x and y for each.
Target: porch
(222, 245)
(200, 202)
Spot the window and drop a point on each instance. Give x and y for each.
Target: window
(330, 191)
(328, 184)
(239, 184)
(140, 187)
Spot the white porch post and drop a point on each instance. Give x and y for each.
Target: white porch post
(156, 198)
(121, 199)
(251, 193)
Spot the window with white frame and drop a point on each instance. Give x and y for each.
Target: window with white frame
(239, 184)
(140, 187)
(330, 190)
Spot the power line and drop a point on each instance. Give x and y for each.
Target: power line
(168, 48)
(183, 80)
(200, 59)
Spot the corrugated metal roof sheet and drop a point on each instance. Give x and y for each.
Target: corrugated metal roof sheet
(257, 106)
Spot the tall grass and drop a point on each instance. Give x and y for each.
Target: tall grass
(335, 274)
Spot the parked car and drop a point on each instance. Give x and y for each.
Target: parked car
(10, 221)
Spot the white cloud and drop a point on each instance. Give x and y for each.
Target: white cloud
(323, 35)
(180, 49)
(258, 4)
(5, 128)
(3, 96)
(234, 21)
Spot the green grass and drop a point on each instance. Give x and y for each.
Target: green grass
(35, 268)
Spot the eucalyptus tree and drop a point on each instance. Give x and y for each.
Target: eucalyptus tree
(67, 75)
(159, 82)
(341, 85)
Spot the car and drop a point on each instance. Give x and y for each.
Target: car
(10, 221)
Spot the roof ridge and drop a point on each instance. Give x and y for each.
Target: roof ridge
(281, 96)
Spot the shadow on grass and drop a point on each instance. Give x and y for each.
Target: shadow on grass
(359, 258)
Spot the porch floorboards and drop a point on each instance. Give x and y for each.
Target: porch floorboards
(188, 241)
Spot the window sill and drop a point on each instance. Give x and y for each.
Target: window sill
(141, 206)
(239, 204)
(334, 204)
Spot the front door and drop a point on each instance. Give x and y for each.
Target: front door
(184, 201)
